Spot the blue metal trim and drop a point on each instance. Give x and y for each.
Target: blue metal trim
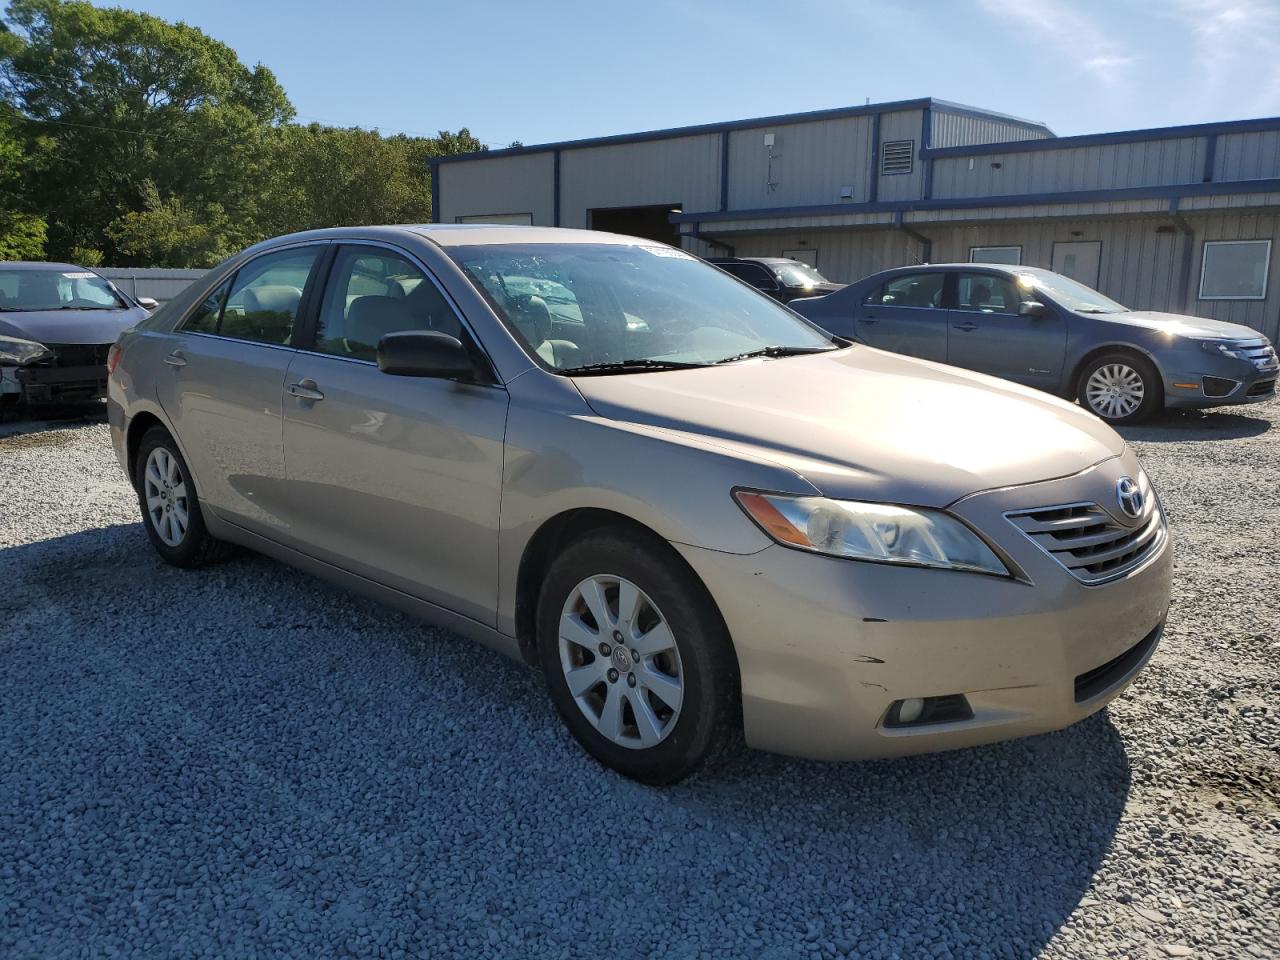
(926, 138)
(1123, 136)
(1013, 200)
(873, 191)
(555, 189)
(724, 169)
(837, 113)
(1210, 156)
(435, 193)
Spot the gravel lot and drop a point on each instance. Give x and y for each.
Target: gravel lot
(246, 762)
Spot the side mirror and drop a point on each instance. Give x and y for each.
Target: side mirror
(147, 303)
(424, 353)
(1031, 308)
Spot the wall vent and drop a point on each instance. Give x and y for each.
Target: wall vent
(896, 157)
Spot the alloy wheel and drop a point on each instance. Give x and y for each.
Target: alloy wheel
(165, 491)
(1115, 390)
(620, 661)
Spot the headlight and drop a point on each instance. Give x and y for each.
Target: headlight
(870, 531)
(1227, 348)
(13, 350)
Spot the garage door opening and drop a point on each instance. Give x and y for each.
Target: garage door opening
(652, 223)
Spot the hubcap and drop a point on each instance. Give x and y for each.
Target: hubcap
(620, 661)
(165, 492)
(1115, 390)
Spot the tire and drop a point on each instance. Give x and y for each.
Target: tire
(183, 545)
(695, 653)
(1109, 385)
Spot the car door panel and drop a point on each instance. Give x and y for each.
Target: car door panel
(905, 315)
(397, 479)
(990, 336)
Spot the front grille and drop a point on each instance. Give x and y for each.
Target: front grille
(79, 354)
(1089, 542)
(1259, 352)
(1263, 388)
(1100, 679)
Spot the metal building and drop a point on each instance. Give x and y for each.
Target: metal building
(1184, 219)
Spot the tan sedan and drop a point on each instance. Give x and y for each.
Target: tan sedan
(695, 510)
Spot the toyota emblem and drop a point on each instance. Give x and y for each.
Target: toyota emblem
(1129, 497)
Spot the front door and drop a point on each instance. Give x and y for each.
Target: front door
(1079, 260)
(396, 479)
(906, 315)
(988, 333)
(222, 386)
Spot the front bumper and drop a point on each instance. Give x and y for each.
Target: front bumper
(1199, 379)
(37, 384)
(827, 646)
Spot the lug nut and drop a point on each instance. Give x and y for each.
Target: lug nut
(635, 656)
(631, 679)
(605, 649)
(613, 675)
(617, 637)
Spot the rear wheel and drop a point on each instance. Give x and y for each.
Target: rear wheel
(1120, 388)
(636, 658)
(170, 508)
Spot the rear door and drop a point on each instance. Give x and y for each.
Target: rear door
(397, 479)
(989, 335)
(223, 380)
(906, 315)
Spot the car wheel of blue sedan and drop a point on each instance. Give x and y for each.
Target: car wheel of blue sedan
(1120, 388)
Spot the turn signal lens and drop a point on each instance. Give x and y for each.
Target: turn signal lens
(881, 532)
(113, 357)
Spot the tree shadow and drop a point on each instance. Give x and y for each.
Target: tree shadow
(247, 758)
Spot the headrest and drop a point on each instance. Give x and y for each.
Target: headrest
(276, 298)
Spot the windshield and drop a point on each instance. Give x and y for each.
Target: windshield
(797, 274)
(1070, 294)
(586, 304)
(37, 290)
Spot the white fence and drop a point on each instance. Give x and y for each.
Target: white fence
(159, 283)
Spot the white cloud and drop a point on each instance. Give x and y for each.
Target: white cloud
(1071, 32)
(1236, 49)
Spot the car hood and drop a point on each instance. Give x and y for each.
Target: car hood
(1180, 325)
(70, 326)
(861, 423)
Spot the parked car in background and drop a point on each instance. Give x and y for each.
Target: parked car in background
(57, 322)
(692, 507)
(1048, 331)
(779, 277)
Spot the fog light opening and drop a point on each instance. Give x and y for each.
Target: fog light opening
(918, 711)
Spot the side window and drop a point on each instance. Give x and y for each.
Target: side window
(264, 297)
(987, 293)
(912, 290)
(373, 292)
(204, 319)
(757, 276)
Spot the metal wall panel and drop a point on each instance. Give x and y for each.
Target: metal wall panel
(905, 125)
(1247, 156)
(512, 184)
(811, 162)
(682, 171)
(1262, 315)
(962, 130)
(1098, 167)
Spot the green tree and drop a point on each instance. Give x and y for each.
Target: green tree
(22, 235)
(137, 115)
(169, 233)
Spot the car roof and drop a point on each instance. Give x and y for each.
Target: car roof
(42, 266)
(466, 234)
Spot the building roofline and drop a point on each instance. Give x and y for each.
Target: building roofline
(835, 113)
(1119, 136)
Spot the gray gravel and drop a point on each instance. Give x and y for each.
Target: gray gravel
(245, 762)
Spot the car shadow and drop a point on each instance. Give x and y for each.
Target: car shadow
(321, 767)
(16, 420)
(1183, 425)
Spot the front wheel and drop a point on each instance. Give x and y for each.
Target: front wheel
(637, 659)
(1120, 388)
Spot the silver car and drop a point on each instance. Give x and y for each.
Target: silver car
(697, 512)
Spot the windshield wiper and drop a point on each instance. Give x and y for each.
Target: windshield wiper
(776, 351)
(627, 366)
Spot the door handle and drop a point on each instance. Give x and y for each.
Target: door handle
(176, 359)
(870, 319)
(304, 390)
(966, 326)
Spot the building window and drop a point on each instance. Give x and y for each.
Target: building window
(1011, 255)
(896, 157)
(515, 219)
(1235, 270)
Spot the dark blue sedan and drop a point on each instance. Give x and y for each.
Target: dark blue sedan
(1047, 331)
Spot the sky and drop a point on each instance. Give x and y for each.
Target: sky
(547, 70)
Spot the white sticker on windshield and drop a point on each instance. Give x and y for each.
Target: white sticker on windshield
(671, 252)
(78, 276)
